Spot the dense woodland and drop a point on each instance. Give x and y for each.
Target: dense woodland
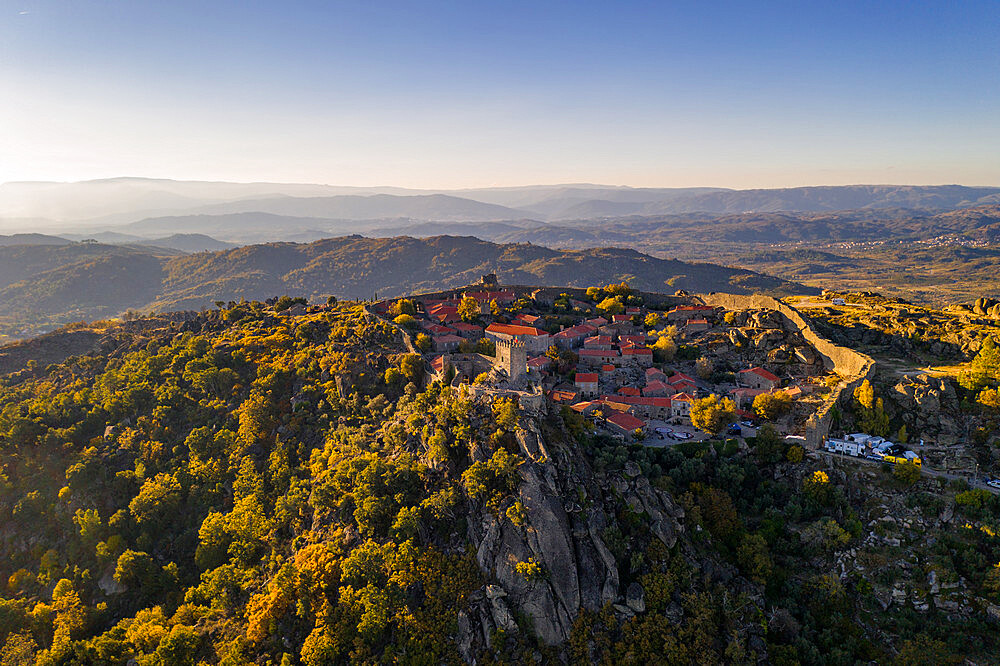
(285, 490)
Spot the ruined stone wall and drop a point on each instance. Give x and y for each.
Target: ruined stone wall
(853, 366)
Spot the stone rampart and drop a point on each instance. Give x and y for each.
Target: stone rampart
(852, 366)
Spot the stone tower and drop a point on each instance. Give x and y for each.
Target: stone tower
(512, 358)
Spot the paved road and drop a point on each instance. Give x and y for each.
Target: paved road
(924, 470)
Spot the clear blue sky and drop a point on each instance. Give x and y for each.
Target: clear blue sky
(441, 94)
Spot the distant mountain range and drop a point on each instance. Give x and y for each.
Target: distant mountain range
(42, 286)
(111, 205)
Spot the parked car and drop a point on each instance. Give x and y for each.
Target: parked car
(994, 483)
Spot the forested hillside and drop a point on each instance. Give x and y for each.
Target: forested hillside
(44, 287)
(253, 488)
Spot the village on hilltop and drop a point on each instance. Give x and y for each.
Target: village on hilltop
(634, 365)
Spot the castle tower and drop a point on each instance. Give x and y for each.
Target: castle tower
(512, 358)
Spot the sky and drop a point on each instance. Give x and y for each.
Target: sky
(475, 94)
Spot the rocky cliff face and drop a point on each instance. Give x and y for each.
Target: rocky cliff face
(568, 509)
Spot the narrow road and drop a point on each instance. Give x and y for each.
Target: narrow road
(924, 471)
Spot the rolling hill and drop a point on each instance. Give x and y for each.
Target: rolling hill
(103, 205)
(44, 286)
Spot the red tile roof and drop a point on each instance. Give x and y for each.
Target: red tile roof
(761, 372)
(539, 362)
(629, 390)
(637, 351)
(437, 329)
(586, 378)
(438, 363)
(462, 326)
(607, 367)
(626, 421)
(561, 395)
(658, 386)
(513, 329)
(647, 401)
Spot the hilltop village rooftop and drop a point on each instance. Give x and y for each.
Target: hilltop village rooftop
(633, 365)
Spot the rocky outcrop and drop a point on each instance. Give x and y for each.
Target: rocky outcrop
(568, 509)
(928, 406)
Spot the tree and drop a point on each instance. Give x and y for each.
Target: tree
(989, 398)
(908, 472)
(652, 320)
(923, 649)
(865, 394)
(664, 348)
(331, 301)
(817, 486)
(873, 419)
(406, 321)
(610, 306)
(286, 302)
(991, 583)
(704, 367)
(713, 414)
(984, 368)
(469, 309)
(423, 342)
(505, 413)
(755, 558)
(404, 306)
(772, 405)
(412, 367)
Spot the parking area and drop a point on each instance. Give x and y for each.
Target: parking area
(662, 433)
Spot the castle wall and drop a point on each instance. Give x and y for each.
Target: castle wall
(853, 366)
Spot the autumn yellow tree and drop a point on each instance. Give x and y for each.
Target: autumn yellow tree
(469, 309)
(610, 306)
(713, 414)
(772, 405)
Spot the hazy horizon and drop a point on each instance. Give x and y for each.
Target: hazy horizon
(378, 185)
(457, 96)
